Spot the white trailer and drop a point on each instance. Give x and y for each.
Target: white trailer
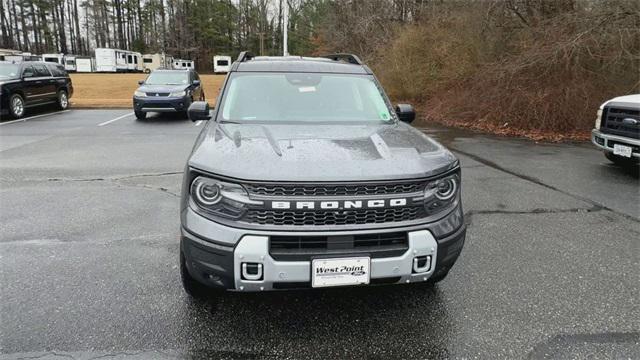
(180, 64)
(10, 55)
(70, 63)
(85, 64)
(111, 60)
(17, 56)
(221, 64)
(134, 61)
(152, 62)
(53, 58)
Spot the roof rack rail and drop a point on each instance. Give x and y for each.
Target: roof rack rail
(350, 58)
(244, 56)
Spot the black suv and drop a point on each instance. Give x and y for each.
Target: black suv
(167, 91)
(32, 83)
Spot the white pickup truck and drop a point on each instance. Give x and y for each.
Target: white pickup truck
(617, 129)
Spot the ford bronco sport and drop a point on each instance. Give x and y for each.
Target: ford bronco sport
(308, 177)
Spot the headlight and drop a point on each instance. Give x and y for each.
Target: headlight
(440, 193)
(219, 198)
(139, 93)
(178, 93)
(598, 118)
(206, 194)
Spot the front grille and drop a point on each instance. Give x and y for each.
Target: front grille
(335, 190)
(158, 105)
(612, 122)
(634, 148)
(307, 284)
(332, 217)
(375, 245)
(154, 94)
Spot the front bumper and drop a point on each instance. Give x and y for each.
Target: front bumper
(606, 141)
(161, 104)
(218, 263)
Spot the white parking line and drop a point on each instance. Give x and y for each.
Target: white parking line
(116, 119)
(198, 123)
(33, 117)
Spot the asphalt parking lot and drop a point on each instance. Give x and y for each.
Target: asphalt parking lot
(89, 257)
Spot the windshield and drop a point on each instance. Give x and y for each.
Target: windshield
(168, 78)
(9, 71)
(304, 97)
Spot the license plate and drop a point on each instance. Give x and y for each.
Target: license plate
(340, 272)
(622, 150)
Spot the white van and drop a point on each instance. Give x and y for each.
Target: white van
(85, 64)
(180, 64)
(53, 58)
(152, 62)
(111, 60)
(221, 64)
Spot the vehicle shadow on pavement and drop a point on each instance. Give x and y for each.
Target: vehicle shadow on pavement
(34, 111)
(631, 170)
(330, 319)
(164, 118)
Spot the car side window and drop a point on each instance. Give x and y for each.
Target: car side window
(41, 70)
(28, 72)
(58, 71)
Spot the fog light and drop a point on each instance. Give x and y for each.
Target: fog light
(599, 140)
(421, 264)
(251, 271)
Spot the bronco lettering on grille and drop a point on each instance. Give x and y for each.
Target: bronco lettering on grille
(336, 204)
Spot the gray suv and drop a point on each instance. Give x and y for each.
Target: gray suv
(308, 177)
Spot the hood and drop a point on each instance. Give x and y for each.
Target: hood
(7, 81)
(162, 88)
(628, 100)
(319, 152)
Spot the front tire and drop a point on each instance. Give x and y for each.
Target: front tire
(190, 285)
(437, 278)
(63, 100)
(431, 282)
(141, 115)
(16, 106)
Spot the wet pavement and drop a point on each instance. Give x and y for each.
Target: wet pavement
(89, 248)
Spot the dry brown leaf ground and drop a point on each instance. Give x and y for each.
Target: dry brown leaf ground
(116, 90)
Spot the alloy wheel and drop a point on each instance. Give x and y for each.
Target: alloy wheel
(17, 106)
(64, 101)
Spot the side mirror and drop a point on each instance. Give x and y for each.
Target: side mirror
(196, 83)
(140, 82)
(405, 113)
(198, 111)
